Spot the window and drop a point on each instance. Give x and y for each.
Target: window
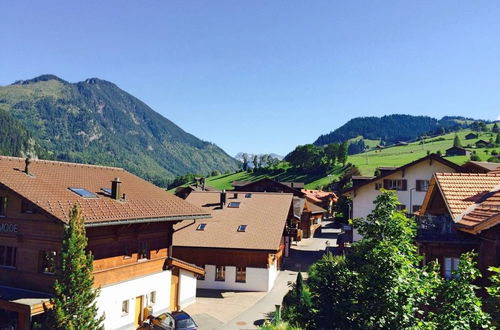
(242, 228)
(48, 262)
(152, 297)
(82, 192)
(241, 274)
(143, 252)
(8, 256)
(395, 184)
(422, 185)
(415, 208)
(202, 277)
(107, 190)
(234, 204)
(201, 226)
(124, 307)
(27, 207)
(248, 195)
(401, 207)
(220, 273)
(3, 206)
(450, 265)
(378, 186)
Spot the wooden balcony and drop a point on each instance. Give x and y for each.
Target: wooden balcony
(440, 228)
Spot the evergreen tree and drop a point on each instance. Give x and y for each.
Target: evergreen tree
(456, 141)
(74, 306)
(342, 153)
(245, 162)
(331, 151)
(255, 161)
(495, 128)
(497, 141)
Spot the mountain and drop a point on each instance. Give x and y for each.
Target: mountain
(392, 128)
(94, 121)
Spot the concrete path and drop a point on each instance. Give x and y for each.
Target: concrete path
(246, 310)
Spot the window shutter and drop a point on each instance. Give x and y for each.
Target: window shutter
(419, 185)
(386, 184)
(405, 186)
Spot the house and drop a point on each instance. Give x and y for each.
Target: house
(460, 213)
(243, 245)
(457, 151)
(482, 143)
(129, 224)
(471, 136)
(480, 167)
(183, 192)
(323, 199)
(411, 182)
(401, 143)
(269, 185)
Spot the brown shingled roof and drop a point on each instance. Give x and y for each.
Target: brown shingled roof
(471, 198)
(265, 215)
(48, 184)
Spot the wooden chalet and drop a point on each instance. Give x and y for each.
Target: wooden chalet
(243, 245)
(129, 224)
(480, 167)
(457, 151)
(471, 136)
(460, 213)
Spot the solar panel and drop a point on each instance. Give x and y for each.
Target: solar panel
(82, 192)
(242, 228)
(234, 204)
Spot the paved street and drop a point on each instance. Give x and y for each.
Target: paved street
(246, 310)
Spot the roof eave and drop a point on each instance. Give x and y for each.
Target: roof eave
(146, 220)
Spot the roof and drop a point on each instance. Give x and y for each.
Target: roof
(315, 209)
(33, 300)
(471, 198)
(294, 185)
(264, 214)
(319, 196)
(48, 185)
(482, 142)
(390, 171)
(457, 148)
(298, 206)
(488, 166)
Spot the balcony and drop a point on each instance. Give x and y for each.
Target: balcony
(440, 228)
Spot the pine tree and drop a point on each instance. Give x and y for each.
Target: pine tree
(498, 139)
(74, 305)
(456, 141)
(342, 153)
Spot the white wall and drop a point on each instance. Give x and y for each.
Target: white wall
(111, 298)
(363, 197)
(257, 279)
(187, 288)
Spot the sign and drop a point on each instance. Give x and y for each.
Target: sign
(8, 228)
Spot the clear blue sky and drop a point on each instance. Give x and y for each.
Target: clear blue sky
(265, 76)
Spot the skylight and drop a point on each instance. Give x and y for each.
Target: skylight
(248, 195)
(106, 190)
(201, 226)
(242, 228)
(82, 192)
(234, 204)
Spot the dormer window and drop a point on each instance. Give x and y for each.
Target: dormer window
(234, 205)
(242, 228)
(248, 195)
(201, 226)
(82, 192)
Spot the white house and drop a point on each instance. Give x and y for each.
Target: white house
(410, 182)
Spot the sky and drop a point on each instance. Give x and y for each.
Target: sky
(266, 76)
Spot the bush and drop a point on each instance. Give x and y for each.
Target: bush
(475, 158)
(494, 160)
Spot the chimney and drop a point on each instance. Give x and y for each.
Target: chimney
(222, 199)
(235, 195)
(27, 163)
(115, 188)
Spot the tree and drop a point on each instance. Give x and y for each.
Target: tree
(475, 157)
(497, 141)
(245, 162)
(331, 151)
(297, 303)
(74, 305)
(456, 141)
(456, 305)
(342, 153)
(493, 302)
(255, 161)
(308, 157)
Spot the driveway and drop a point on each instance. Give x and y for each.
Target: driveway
(215, 309)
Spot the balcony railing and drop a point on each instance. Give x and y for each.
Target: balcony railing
(440, 228)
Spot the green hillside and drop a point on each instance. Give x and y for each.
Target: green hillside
(96, 122)
(366, 162)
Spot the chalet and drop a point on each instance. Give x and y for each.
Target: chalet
(183, 192)
(457, 151)
(482, 144)
(242, 246)
(471, 136)
(401, 143)
(480, 167)
(460, 213)
(410, 181)
(269, 185)
(129, 224)
(323, 199)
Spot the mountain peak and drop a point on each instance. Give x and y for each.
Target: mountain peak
(43, 77)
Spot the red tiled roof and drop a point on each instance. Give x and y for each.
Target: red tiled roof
(264, 214)
(319, 196)
(48, 184)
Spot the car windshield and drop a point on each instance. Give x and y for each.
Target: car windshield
(185, 323)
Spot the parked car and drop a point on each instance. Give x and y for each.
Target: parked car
(172, 321)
